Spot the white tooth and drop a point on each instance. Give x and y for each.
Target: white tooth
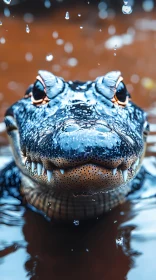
(33, 166)
(124, 174)
(114, 171)
(39, 169)
(137, 162)
(43, 169)
(62, 171)
(49, 175)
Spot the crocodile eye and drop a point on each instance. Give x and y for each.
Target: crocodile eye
(121, 92)
(38, 91)
(53, 85)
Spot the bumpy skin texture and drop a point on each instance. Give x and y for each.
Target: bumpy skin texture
(77, 145)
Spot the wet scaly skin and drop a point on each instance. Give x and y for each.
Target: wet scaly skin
(77, 144)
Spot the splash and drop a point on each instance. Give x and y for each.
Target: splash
(126, 8)
(7, 1)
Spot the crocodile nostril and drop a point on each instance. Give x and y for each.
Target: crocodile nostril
(71, 127)
(102, 128)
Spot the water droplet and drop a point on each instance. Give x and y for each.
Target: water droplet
(111, 30)
(119, 241)
(148, 5)
(56, 68)
(2, 40)
(12, 85)
(115, 47)
(67, 15)
(103, 14)
(81, 27)
(49, 57)
(76, 222)
(79, 15)
(72, 250)
(28, 17)
(1, 23)
(102, 6)
(47, 4)
(87, 250)
(28, 56)
(115, 221)
(126, 9)
(7, 12)
(27, 29)
(7, 1)
(4, 65)
(55, 34)
(72, 62)
(100, 30)
(135, 78)
(59, 42)
(68, 47)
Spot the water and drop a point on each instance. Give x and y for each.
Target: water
(49, 57)
(7, 1)
(126, 9)
(67, 15)
(30, 246)
(27, 29)
(76, 222)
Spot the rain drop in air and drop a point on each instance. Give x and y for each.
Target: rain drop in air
(67, 15)
(126, 9)
(27, 29)
(49, 57)
(76, 222)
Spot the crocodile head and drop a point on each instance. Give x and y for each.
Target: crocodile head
(77, 144)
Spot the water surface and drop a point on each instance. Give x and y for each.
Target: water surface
(122, 244)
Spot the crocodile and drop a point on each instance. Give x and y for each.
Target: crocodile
(78, 145)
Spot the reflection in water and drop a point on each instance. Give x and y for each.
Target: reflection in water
(121, 245)
(86, 251)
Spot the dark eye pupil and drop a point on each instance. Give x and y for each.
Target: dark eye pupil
(38, 90)
(121, 92)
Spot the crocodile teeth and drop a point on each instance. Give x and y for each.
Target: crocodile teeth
(135, 164)
(114, 171)
(124, 174)
(39, 169)
(33, 166)
(43, 169)
(62, 171)
(49, 175)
